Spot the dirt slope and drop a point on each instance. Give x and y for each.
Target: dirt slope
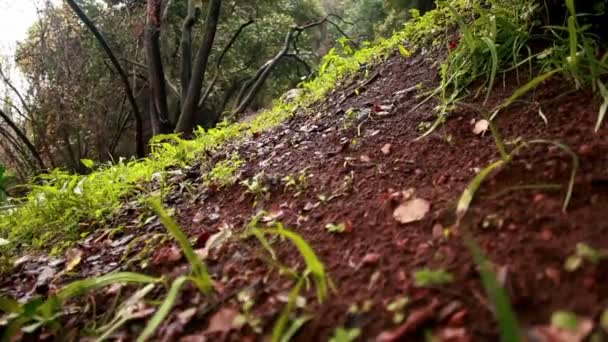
(360, 161)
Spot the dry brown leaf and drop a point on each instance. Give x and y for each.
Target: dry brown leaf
(222, 321)
(412, 210)
(386, 149)
(481, 127)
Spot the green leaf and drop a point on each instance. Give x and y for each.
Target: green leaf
(404, 52)
(88, 163)
(279, 326)
(82, 286)
(296, 325)
(4, 242)
(564, 320)
(521, 91)
(603, 107)
(467, 195)
(199, 269)
(314, 265)
(507, 321)
(428, 278)
(164, 309)
(8, 305)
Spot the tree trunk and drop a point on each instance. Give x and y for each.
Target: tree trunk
(23, 138)
(156, 73)
(141, 151)
(185, 124)
(186, 48)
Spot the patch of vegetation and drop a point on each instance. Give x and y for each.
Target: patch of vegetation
(315, 269)
(223, 173)
(583, 253)
(345, 335)
(257, 187)
(64, 205)
(427, 277)
(297, 182)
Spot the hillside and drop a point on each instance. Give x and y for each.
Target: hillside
(353, 172)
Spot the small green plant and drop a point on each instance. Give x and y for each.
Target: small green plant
(200, 276)
(583, 253)
(314, 269)
(39, 312)
(246, 317)
(336, 228)
(397, 307)
(297, 182)
(564, 320)
(427, 277)
(257, 187)
(345, 335)
(507, 321)
(223, 173)
(5, 181)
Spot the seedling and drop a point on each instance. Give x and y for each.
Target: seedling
(256, 187)
(564, 320)
(39, 312)
(336, 228)
(397, 307)
(427, 277)
(246, 317)
(345, 335)
(583, 253)
(296, 182)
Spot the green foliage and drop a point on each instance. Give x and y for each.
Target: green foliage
(39, 312)
(507, 321)
(223, 173)
(199, 270)
(345, 335)
(583, 253)
(428, 278)
(564, 320)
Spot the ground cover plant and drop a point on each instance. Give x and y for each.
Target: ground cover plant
(334, 216)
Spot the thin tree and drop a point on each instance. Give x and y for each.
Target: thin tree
(139, 139)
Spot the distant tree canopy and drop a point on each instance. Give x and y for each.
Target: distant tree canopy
(77, 104)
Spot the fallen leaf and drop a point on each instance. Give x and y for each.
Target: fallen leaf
(552, 333)
(167, 255)
(370, 259)
(365, 158)
(73, 257)
(413, 322)
(386, 149)
(222, 321)
(215, 241)
(481, 127)
(412, 210)
(198, 217)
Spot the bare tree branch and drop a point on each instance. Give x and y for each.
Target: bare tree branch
(23, 137)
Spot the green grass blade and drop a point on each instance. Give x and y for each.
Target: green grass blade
(467, 195)
(164, 309)
(507, 321)
(82, 286)
(521, 91)
(315, 266)
(492, 46)
(199, 269)
(8, 305)
(603, 107)
(281, 323)
(296, 325)
(575, 166)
